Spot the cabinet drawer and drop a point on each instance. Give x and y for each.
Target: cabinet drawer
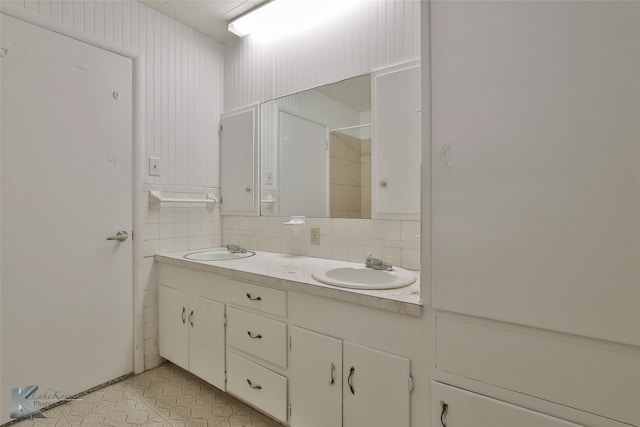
(272, 301)
(258, 336)
(257, 385)
(471, 409)
(568, 373)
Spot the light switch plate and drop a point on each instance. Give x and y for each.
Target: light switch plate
(154, 166)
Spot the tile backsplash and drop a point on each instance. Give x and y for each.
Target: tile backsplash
(340, 238)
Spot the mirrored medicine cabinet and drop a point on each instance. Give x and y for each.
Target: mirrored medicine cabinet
(349, 149)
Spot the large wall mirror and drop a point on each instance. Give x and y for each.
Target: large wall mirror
(345, 150)
(316, 152)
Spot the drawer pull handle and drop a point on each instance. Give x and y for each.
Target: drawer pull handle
(184, 310)
(255, 387)
(333, 374)
(190, 318)
(350, 380)
(258, 298)
(254, 336)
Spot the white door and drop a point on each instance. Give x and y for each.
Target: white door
(67, 321)
(304, 186)
(315, 379)
(375, 388)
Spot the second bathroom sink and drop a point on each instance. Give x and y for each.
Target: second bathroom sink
(217, 254)
(366, 278)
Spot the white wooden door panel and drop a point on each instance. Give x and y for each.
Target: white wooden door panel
(536, 164)
(206, 340)
(173, 312)
(396, 143)
(315, 379)
(66, 186)
(375, 388)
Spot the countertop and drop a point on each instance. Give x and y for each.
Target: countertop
(293, 272)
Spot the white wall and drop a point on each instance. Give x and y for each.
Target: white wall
(377, 34)
(183, 79)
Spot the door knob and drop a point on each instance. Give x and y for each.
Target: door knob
(120, 236)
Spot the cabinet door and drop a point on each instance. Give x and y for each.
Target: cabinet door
(396, 143)
(206, 340)
(172, 323)
(536, 164)
(315, 379)
(466, 409)
(238, 162)
(375, 388)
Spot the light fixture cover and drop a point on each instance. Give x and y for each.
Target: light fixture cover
(280, 17)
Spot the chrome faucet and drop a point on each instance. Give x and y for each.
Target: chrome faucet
(377, 264)
(236, 249)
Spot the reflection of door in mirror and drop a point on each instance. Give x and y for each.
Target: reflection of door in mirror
(343, 107)
(303, 167)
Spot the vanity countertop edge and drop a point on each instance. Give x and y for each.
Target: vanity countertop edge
(293, 272)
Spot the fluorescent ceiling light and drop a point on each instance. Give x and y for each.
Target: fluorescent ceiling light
(280, 17)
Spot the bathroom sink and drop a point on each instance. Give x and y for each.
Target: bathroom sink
(366, 278)
(218, 254)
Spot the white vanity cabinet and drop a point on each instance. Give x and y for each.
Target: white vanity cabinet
(304, 359)
(192, 334)
(335, 382)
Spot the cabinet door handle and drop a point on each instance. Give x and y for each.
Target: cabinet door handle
(254, 336)
(333, 375)
(258, 298)
(350, 380)
(443, 414)
(184, 310)
(255, 387)
(190, 318)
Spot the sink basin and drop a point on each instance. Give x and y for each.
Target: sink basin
(366, 278)
(218, 254)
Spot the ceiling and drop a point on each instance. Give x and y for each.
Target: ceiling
(207, 16)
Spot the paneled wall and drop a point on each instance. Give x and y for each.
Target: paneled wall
(183, 80)
(375, 34)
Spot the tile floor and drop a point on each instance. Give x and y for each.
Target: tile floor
(166, 396)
